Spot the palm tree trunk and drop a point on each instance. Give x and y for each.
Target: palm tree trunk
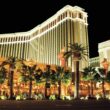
(59, 89)
(11, 84)
(91, 82)
(76, 93)
(89, 91)
(46, 90)
(103, 88)
(30, 89)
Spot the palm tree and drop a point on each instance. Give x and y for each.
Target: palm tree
(11, 61)
(47, 78)
(3, 75)
(88, 74)
(108, 77)
(59, 73)
(67, 76)
(31, 72)
(53, 77)
(28, 74)
(77, 52)
(38, 76)
(101, 77)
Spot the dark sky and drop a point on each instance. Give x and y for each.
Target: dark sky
(23, 16)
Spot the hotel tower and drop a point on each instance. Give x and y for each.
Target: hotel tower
(44, 42)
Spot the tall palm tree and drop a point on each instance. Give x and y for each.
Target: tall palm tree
(77, 52)
(88, 74)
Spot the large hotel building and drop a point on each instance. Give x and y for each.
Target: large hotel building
(44, 42)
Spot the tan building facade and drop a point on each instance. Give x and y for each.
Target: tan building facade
(104, 51)
(44, 42)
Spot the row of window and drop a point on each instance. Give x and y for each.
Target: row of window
(61, 17)
(15, 50)
(10, 39)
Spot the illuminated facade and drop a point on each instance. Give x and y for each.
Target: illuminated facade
(45, 41)
(95, 61)
(104, 50)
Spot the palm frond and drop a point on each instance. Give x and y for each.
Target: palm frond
(79, 49)
(89, 73)
(67, 54)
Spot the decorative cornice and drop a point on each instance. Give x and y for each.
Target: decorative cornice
(54, 17)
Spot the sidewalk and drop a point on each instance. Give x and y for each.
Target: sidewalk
(55, 105)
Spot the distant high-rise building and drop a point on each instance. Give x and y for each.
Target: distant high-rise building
(44, 42)
(104, 50)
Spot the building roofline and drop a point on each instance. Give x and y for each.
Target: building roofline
(104, 44)
(30, 32)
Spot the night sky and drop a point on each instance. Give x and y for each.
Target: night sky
(25, 15)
